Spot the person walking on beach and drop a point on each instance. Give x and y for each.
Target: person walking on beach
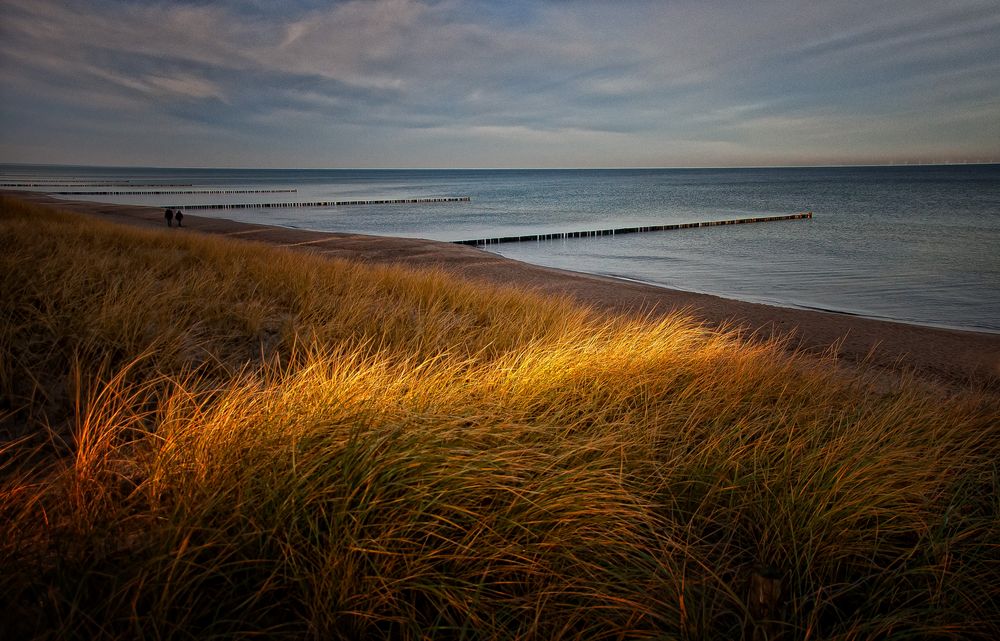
(179, 215)
(169, 215)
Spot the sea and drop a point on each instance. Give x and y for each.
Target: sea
(913, 244)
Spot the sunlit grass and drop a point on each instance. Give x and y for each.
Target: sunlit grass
(207, 438)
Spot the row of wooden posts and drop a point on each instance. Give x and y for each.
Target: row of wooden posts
(328, 203)
(629, 230)
(172, 191)
(78, 185)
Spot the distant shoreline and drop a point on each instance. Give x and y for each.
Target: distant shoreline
(952, 356)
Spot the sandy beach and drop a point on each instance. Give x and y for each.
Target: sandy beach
(942, 355)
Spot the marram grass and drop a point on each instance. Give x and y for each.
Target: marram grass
(211, 439)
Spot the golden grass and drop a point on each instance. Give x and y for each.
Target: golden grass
(212, 439)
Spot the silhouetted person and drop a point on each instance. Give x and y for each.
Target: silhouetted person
(179, 215)
(169, 215)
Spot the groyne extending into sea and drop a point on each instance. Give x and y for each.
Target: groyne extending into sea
(629, 230)
(172, 191)
(328, 203)
(78, 185)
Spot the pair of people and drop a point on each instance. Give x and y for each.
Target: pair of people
(171, 215)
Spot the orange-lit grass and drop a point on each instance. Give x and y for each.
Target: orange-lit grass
(263, 442)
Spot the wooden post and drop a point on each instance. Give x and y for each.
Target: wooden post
(763, 601)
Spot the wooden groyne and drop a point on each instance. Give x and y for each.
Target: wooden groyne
(630, 230)
(172, 191)
(328, 203)
(87, 184)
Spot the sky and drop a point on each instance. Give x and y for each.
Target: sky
(479, 83)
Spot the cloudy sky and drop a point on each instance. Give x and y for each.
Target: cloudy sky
(481, 83)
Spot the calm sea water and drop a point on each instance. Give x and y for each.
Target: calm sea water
(913, 244)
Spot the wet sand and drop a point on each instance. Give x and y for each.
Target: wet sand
(946, 356)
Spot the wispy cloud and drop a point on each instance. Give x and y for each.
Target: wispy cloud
(521, 83)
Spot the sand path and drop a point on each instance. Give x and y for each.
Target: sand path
(949, 356)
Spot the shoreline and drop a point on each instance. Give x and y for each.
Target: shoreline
(682, 290)
(946, 355)
(674, 288)
(808, 308)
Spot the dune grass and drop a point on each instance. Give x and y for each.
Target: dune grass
(204, 438)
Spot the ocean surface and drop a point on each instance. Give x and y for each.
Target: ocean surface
(918, 244)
